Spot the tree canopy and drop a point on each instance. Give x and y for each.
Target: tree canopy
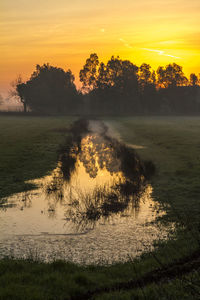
(170, 76)
(115, 87)
(88, 75)
(48, 89)
(193, 79)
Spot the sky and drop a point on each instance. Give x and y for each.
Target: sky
(64, 33)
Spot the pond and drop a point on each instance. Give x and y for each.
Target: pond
(95, 207)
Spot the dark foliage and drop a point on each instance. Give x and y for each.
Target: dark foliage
(50, 89)
(120, 87)
(116, 88)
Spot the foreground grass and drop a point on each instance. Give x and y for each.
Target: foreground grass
(152, 276)
(184, 287)
(28, 147)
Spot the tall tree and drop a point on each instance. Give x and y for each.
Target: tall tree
(89, 75)
(121, 73)
(145, 76)
(120, 79)
(193, 79)
(49, 89)
(147, 85)
(103, 79)
(170, 76)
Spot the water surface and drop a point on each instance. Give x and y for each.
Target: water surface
(90, 209)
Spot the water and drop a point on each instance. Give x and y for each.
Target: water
(90, 209)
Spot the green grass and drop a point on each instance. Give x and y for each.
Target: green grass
(185, 287)
(29, 279)
(28, 149)
(173, 144)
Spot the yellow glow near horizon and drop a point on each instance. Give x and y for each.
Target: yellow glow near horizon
(65, 32)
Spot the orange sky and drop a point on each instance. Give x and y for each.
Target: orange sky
(65, 32)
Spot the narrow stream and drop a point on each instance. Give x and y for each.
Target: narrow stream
(95, 207)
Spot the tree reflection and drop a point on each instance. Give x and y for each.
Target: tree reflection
(96, 177)
(85, 209)
(98, 154)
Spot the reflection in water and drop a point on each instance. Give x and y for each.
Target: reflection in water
(99, 157)
(98, 154)
(96, 197)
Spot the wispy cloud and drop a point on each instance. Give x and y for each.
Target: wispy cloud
(127, 45)
(160, 52)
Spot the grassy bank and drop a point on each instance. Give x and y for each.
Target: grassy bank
(28, 150)
(173, 144)
(153, 276)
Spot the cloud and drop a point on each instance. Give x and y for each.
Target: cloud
(160, 52)
(127, 45)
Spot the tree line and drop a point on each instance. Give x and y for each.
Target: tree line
(117, 87)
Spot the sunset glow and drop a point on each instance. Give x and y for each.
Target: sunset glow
(64, 33)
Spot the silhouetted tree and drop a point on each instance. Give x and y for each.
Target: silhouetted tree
(170, 76)
(49, 89)
(21, 92)
(145, 75)
(115, 87)
(147, 86)
(123, 83)
(103, 79)
(18, 91)
(111, 87)
(88, 75)
(193, 79)
(121, 72)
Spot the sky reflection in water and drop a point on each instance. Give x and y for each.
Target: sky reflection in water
(93, 216)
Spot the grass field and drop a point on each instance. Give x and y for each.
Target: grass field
(28, 149)
(173, 144)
